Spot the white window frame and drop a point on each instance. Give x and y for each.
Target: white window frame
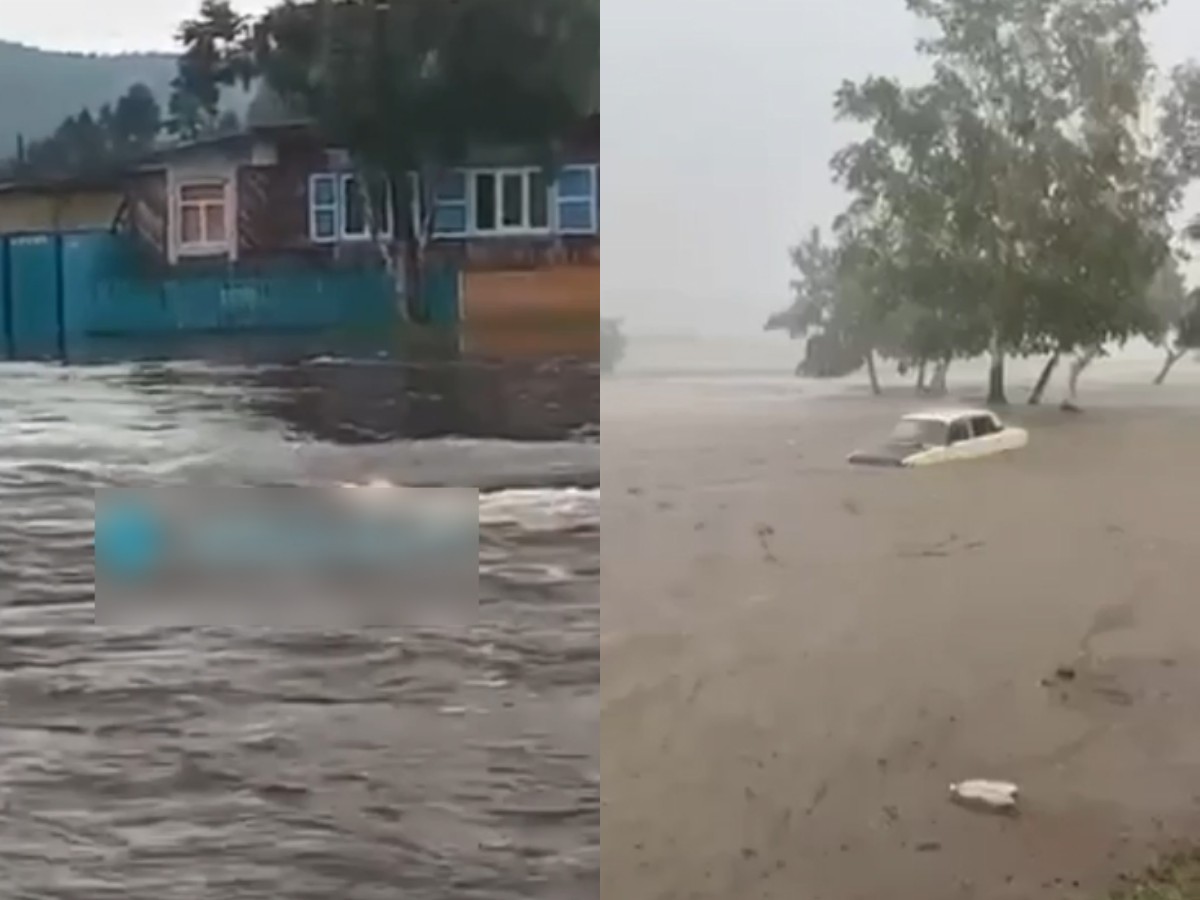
(469, 205)
(502, 230)
(203, 247)
(389, 204)
(334, 206)
(593, 199)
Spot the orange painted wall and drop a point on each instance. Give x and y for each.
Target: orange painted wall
(536, 312)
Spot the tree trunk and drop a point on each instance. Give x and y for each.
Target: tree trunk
(383, 244)
(1044, 379)
(921, 376)
(1081, 362)
(996, 394)
(414, 279)
(1173, 356)
(874, 376)
(421, 208)
(938, 385)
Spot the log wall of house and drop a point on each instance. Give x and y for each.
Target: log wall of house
(273, 207)
(146, 213)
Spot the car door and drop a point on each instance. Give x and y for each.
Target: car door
(990, 435)
(959, 441)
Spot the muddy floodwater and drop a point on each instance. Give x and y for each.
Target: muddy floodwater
(800, 656)
(153, 764)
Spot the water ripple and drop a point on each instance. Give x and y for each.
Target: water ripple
(163, 763)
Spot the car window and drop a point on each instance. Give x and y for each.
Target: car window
(922, 432)
(958, 432)
(983, 425)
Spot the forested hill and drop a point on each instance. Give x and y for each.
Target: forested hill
(40, 88)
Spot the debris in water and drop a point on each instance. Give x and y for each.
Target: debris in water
(1063, 674)
(993, 796)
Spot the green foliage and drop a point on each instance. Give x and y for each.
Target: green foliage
(1017, 199)
(406, 87)
(1168, 302)
(1175, 878)
(840, 297)
(85, 143)
(212, 60)
(414, 86)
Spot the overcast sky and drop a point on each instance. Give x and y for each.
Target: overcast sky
(103, 27)
(717, 131)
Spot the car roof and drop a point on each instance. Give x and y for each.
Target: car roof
(947, 415)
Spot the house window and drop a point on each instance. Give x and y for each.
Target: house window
(450, 216)
(323, 208)
(355, 226)
(510, 200)
(485, 201)
(202, 217)
(578, 200)
(468, 203)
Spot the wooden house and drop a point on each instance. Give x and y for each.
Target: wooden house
(525, 245)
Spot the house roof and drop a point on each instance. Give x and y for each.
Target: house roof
(106, 180)
(233, 139)
(112, 176)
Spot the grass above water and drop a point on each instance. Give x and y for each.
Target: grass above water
(1176, 878)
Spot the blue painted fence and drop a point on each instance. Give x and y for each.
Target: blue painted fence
(61, 292)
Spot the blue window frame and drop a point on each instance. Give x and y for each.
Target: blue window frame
(323, 208)
(578, 200)
(451, 206)
(335, 204)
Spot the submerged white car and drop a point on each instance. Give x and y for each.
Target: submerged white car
(938, 436)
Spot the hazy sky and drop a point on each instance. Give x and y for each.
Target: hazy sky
(717, 131)
(95, 25)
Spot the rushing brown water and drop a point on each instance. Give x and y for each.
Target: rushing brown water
(152, 764)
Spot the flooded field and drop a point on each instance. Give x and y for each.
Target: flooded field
(147, 764)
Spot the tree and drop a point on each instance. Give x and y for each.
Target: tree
(228, 123)
(911, 190)
(83, 143)
(838, 305)
(213, 58)
(830, 351)
(1025, 205)
(408, 88)
(136, 120)
(1175, 316)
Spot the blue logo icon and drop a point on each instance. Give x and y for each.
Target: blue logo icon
(129, 540)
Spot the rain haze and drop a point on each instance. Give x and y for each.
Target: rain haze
(825, 619)
(815, 641)
(718, 133)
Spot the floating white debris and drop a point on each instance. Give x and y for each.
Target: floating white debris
(997, 796)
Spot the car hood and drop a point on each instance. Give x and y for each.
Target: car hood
(891, 454)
